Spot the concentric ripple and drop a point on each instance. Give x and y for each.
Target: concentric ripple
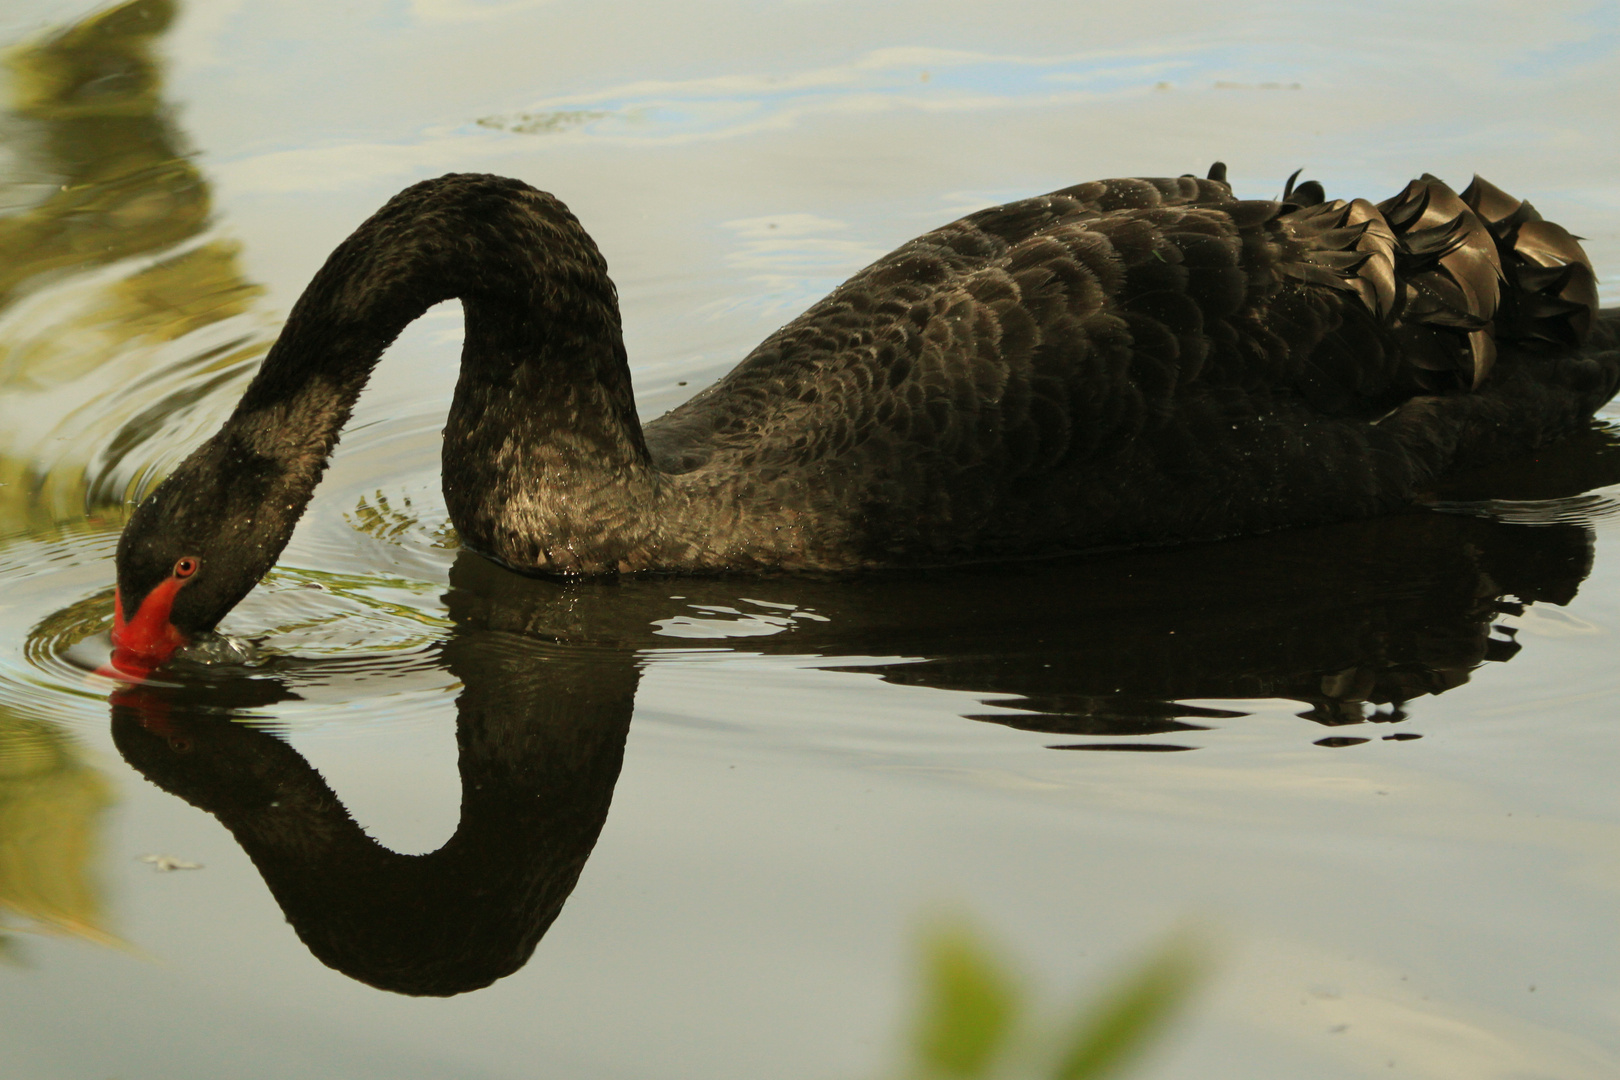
(365, 633)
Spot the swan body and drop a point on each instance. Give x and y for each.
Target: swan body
(1122, 362)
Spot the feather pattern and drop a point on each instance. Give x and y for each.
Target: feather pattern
(1086, 358)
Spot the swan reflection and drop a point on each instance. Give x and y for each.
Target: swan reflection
(1354, 622)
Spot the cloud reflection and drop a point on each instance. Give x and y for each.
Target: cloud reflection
(724, 106)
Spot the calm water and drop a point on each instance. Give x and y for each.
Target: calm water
(1385, 751)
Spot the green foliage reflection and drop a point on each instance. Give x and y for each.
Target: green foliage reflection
(51, 805)
(105, 257)
(90, 96)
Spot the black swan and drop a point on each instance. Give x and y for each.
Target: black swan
(1122, 362)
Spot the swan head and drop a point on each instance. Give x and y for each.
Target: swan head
(145, 636)
(195, 547)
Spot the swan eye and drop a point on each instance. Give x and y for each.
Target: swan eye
(186, 567)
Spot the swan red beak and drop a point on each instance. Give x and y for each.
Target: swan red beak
(144, 643)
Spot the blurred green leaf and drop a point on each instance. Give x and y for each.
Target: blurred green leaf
(970, 1005)
(970, 1024)
(1134, 1013)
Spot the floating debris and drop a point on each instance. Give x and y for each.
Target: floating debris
(543, 123)
(165, 863)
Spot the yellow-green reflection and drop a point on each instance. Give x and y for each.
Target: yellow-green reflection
(51, 805)
(116, 306)
(105, 260)
(379, 518)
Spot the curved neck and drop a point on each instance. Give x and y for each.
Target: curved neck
(543, 424)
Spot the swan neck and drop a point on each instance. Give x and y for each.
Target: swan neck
(544, 379)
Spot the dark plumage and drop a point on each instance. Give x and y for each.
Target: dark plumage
(1118, 363)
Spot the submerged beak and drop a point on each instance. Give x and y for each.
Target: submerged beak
(144, 643)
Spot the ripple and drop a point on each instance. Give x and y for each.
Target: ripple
(319, 640)
(310, 613)
(380, 509)
(725, 621)
(1589, 508)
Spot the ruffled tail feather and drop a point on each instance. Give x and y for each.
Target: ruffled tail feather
(1451, 275)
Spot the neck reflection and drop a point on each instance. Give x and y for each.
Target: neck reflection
(540, 738)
